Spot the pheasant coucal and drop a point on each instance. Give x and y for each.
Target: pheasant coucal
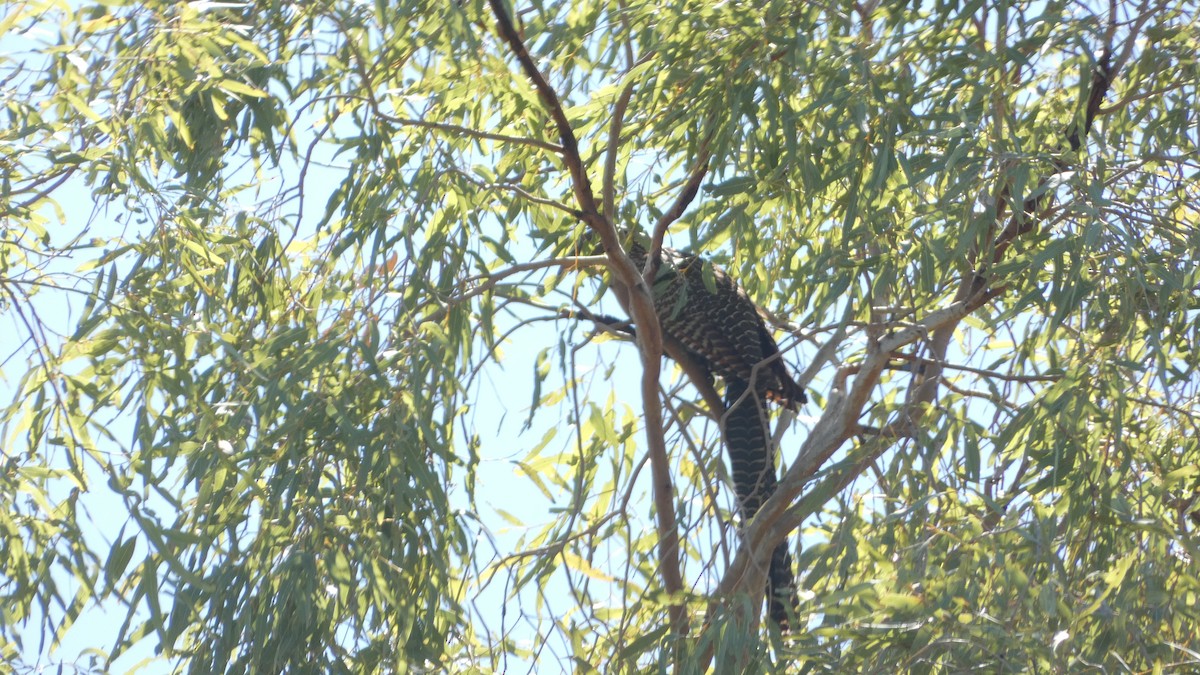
(722, 330)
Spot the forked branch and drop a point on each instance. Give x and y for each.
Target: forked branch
(640, 305)
(779, 516)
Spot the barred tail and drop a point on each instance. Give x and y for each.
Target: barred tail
(752, 464)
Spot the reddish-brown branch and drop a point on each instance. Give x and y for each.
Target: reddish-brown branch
(570, 145)
(1035, 208)
(638, 302)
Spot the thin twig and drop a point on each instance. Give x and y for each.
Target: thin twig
(690, 189)
(778, 516)
(473, 133)
(607, 186)
(492, 280)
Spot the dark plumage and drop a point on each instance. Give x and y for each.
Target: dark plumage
(721, 328)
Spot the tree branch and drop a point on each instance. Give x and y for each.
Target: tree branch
(690, 189)
(515, 189)
(778, 517)
(607, 187)
(490, 282)
(638, 302)
(473, 133)
(990, 374)
(580, 182)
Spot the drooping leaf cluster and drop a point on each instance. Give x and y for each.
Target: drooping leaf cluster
(302, 377)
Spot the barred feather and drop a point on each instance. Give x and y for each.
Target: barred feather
(722, 330)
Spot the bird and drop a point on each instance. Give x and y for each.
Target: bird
(701, 307)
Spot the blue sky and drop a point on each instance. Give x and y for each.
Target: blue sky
(500, 406)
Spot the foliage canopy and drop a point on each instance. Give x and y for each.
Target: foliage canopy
(276, 273)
